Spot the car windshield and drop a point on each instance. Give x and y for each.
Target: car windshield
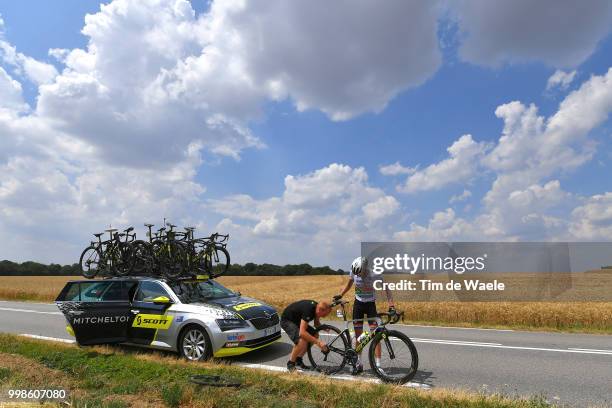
(201, 291)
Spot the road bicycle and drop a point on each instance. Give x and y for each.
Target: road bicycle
(112, 257)
(214, 257)
(399, 359)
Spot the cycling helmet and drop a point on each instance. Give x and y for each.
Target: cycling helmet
(359, 266)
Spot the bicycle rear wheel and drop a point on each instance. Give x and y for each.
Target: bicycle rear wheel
(90, 262)
(172, 259)
(217, 261)
(399, 359)
(143, 257)
(124, 259)
(335, 359)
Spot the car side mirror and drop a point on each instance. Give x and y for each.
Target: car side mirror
(162, 300)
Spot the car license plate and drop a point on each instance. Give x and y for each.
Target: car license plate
(272, 330)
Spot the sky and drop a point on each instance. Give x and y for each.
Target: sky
(304, 128)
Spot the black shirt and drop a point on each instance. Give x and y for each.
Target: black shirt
(300, 310)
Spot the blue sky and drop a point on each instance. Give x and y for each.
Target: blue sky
(241, 131)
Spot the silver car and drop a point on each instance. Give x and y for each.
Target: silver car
(196, 318)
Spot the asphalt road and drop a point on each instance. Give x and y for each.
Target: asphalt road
(569, 369)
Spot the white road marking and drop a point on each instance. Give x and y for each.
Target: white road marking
(585, 349)
(452, 327)
(501, 346)
(35, 336)
(27, 303)
(335, 377)
(419, 340)
(10, 309)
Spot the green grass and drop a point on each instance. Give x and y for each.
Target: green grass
(113, 378)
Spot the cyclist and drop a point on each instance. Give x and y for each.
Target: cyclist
(365, 302)
(294, 321)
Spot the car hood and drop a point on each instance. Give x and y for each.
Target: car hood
(245, 307)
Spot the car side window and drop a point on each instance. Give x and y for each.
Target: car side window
(147, 291)
(105, 291)
(70, 293)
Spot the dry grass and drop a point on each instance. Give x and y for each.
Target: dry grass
(280, 291)
(34, 288)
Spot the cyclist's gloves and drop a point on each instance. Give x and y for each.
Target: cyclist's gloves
(337, 297)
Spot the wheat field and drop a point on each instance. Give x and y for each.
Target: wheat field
(592, 317)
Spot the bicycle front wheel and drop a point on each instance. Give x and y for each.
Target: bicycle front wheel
(90, 262)
(399, 359)
(334, 360)
(217, 261)
(173, 260)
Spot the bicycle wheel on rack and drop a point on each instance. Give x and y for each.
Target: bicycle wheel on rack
(399, 359)
(124, 259)
(334, 360)
(172, 260)
(143, 257)
(90, 262)
(216, 261)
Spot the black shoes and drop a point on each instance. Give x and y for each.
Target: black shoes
(299, 363)
(357, 369)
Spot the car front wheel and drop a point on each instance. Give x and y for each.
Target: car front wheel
(194, 344)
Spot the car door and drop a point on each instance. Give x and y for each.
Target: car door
(149, 306)
(98, 311)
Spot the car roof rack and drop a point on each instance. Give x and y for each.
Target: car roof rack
(181, 278)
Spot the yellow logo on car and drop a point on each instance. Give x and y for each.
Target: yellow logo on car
(152, 321)
(246, 306)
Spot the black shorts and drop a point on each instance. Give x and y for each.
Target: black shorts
(361, 309)
(293, 330)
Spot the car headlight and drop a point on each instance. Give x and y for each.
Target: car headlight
(230, 324)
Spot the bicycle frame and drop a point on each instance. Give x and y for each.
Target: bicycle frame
(379, 331)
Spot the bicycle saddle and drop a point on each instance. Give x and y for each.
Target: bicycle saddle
(161, 229)
(149, 225)
(189, 228)
(171, 225)
(98, 235)
(129, 229)
(111, 230)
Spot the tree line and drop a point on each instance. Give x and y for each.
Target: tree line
(29, 268)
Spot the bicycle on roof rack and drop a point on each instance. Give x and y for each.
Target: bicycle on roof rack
(167, 253)
(398, 361)
(113, 256)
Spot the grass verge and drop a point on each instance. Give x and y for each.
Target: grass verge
(105, 377)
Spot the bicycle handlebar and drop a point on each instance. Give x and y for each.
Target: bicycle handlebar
(338, 302)
(392, 318)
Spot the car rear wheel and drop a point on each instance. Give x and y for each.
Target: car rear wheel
(194, 344)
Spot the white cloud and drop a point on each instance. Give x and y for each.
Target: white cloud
(381, 208)
(10, 93)
(560, 79)
(327, 212)
(351, 58)
(443, 226)
(525, 201)
(460, 197)
(460, 166)
(396, 169)
(558, 33)
(593, 219)
(36, 71)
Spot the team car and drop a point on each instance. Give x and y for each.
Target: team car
(196, 318)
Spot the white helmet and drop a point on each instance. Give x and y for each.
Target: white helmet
(359, 266)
